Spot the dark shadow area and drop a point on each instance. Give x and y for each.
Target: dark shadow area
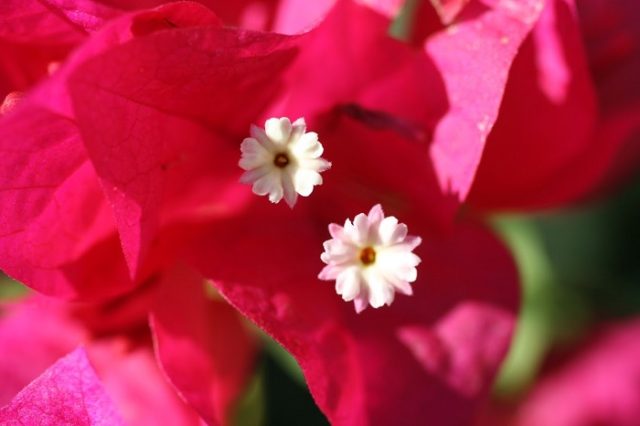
(287, 402)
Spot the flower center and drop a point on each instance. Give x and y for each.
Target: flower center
(281, 160)
(367, 256)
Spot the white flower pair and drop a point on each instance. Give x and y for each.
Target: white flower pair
(371, 258)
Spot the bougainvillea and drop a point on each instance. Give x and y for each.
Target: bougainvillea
(121, 182)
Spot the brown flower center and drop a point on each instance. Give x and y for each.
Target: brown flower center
(281, 160)
(367, 256)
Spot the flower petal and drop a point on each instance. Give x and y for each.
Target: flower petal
(358, 369)
(67, 393)
(551, 73)
(56, 229)
(201, 344)
(138, 104)
(473, 57)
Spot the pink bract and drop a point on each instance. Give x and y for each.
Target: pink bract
(120, 171)
(67, 393)
(594, 383)
(598, 384)
(36, 332)
(577, 133)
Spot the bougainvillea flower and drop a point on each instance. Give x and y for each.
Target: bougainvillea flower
(437, 348)
(35, 332)
(283, 160)
(581, 111)
(370, 259)
(445, 92)
(135, 151)
(186, 185)
(594, 384)
(67, 393)
(597, 385)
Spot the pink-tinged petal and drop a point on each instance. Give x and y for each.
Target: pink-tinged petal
(465, 347)
(359, 368)
(56, 230)
(597, 385)
(474, 56)
(139, 389)
(201, 344)
(148, 112)
(542, 151)
(296, 16)
(35, 332)
(67, 393)
(33, 335)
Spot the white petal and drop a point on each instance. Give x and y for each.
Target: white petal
(361, 302)
(305, 180)
(330, 272)
(298, 128)
(404, 287)
(361, 224)
(399, 234)
(340, 252)
(278, 130)
(265, 185)
(405, 273)
(290, 195)
(276, 193)
(380, 292)
(250, 176)
(300, 175)
(348, 284)
(317, 164)
(410, 242)
(386, 229)
(375, 214)
(260, 135)
(336, 231)
(253, 155)
(394, 267)
(308, 146)
(349, 230)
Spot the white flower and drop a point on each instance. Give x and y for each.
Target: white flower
(370, 259)
(282, 160)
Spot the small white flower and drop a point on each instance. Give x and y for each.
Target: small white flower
(370, 259)
(283, 160)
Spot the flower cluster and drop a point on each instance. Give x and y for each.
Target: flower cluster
(133, 162)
